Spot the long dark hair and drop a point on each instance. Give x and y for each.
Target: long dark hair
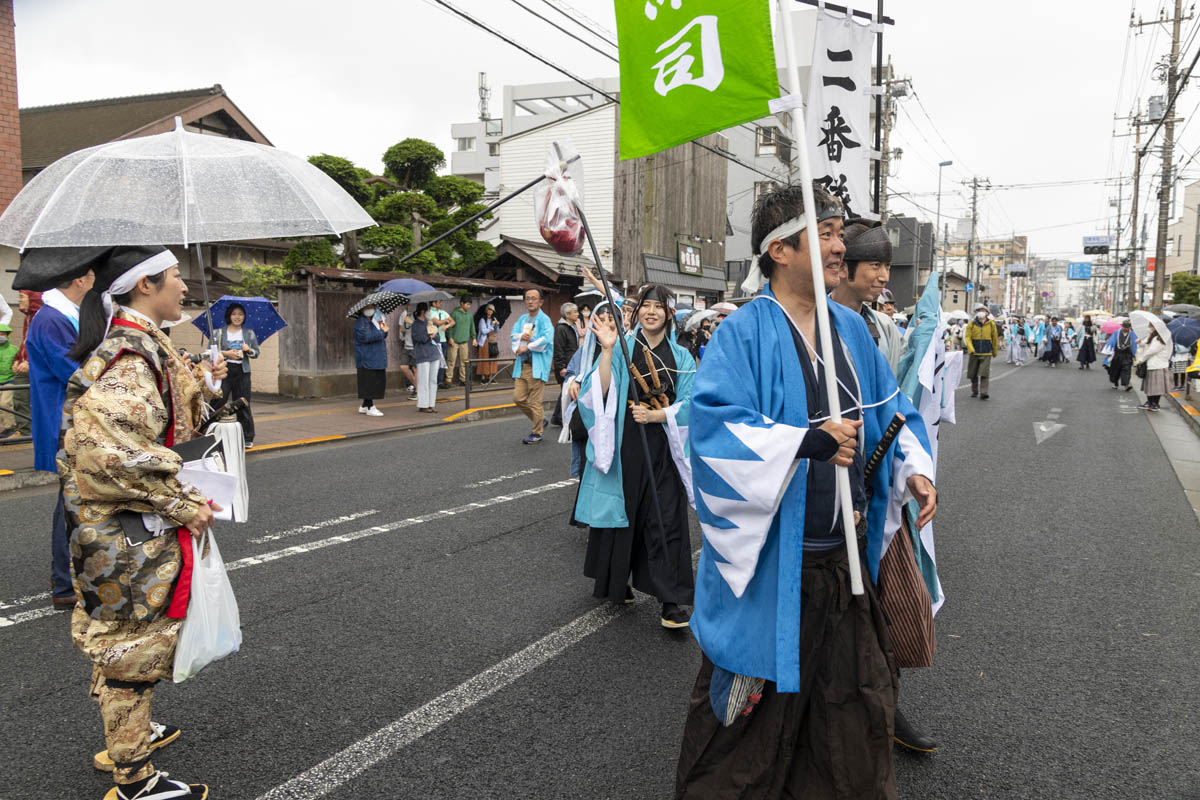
(422, 309)
(93, 321)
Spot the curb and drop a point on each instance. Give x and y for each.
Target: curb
(1187, 409)
(474, 415)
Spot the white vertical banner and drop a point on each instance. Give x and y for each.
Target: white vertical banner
(839, 111)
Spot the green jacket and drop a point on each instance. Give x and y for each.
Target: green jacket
(977, 334)
(463, 330)
(8, 354)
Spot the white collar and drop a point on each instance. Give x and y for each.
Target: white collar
(62, 304)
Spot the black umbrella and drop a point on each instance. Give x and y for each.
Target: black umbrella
(385, 301)
(590, 298)
(503, 310)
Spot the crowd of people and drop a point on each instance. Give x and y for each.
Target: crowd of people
(725, 410)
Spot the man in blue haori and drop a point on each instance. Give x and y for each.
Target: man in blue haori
(796, 692)
(52, 333)
(533, 345)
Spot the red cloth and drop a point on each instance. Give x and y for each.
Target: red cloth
(183, 584)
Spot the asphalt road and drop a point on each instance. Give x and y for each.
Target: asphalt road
(454, 627)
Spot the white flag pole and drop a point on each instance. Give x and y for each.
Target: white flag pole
(818, 275)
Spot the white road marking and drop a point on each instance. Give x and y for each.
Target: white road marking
(316, 526)
(1044, 430)
(24, 601)
(1001, 376)
(308, 547)
(501, 478)
(319, 544)
(342, 767)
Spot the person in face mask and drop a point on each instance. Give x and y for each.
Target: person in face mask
(370, 359)
(983, 343)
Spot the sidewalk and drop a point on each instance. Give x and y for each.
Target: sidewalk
(282, 422)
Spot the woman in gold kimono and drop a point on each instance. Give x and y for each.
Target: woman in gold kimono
(133, 398)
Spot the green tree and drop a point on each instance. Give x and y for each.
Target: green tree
(346, 175)
(397, 209)
(451, 190)
(316, 252)
(262, 280)
(413, 163)
(1186, 288)
(353, 180)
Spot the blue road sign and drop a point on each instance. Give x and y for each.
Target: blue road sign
(970, 287)
(1079, 270)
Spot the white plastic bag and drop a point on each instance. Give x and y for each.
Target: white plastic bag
(213, 628)
(556, 199)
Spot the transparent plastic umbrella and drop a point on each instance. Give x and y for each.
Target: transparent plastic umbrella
(177, 188)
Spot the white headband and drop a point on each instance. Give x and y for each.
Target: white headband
(754, 277)
(789, 228)
(159, 262)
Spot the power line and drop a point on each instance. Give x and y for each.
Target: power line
(556, 26)
(576, 16)
(509, 40)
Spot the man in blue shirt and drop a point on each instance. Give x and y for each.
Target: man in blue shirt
(51, 334)
(533, 345)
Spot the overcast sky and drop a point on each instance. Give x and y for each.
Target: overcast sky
(1017, 92)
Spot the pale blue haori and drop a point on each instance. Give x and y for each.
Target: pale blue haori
(601, 502)
(748, 417)
(541, 346)
(928, 376)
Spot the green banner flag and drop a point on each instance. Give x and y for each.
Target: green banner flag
(692, 67)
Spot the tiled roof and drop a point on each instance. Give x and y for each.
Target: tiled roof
(50, 132)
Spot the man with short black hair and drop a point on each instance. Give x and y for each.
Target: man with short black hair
(796, 691)
(461, 334)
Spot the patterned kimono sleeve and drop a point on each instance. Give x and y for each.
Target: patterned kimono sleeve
(117, 457)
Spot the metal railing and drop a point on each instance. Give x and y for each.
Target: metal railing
(23, 414)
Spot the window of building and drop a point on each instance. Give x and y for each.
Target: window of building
(493, 149)
(466, 144)
(493, 127)
(765, 142)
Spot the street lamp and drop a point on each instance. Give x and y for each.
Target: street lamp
(938, 229)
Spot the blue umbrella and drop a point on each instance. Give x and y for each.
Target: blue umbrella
(1184, 330)
(404, 286)
(680, 313)
(261, 316)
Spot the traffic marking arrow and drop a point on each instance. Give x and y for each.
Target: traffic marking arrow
(1045, 429)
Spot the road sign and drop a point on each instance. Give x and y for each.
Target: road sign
(1045, 294)
(1150, 263)
(1079, 270)
(970, 287)
(1097, 241)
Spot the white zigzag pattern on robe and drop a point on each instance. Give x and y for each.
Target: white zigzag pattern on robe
(761, 485)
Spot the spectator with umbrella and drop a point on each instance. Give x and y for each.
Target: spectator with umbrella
(1154, 356)
(238, 342)
(1185, 332)
(370, 346)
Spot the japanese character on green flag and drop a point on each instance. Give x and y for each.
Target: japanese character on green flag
(692, 67)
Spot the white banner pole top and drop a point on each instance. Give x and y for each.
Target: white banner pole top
(818, 276)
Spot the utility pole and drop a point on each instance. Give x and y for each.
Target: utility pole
(972, 272)
(1134, 266)
(885, 154)
(1168, 153)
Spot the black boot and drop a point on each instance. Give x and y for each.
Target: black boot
(974, 387)
(908, 736)
(983, 388)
